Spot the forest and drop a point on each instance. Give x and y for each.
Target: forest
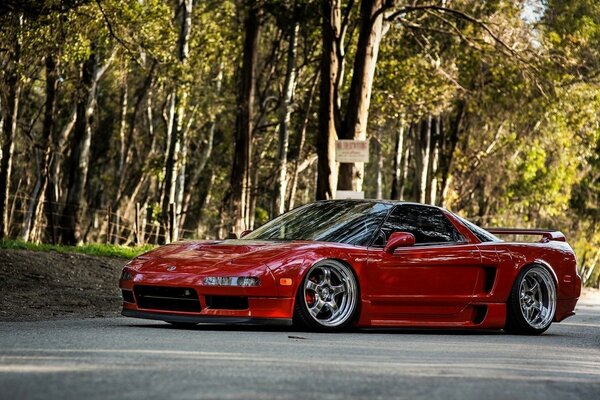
(149, 121)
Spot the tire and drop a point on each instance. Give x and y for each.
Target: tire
(327, 298)
(532, 302)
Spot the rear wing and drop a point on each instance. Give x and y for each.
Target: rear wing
(547, 235)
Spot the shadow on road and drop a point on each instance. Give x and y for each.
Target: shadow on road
(291, 329)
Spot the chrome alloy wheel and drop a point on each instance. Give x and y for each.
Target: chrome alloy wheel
(330, 293)
(537, 297)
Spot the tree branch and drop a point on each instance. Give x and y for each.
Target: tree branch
(116, 37)
(408, 9)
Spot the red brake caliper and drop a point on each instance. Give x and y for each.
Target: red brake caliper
(309, 295)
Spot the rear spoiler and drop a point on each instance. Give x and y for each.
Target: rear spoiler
(547, 235)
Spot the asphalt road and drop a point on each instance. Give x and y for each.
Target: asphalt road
(120, 358)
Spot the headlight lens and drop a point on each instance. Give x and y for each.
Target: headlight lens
(245, 281)
(126, 275)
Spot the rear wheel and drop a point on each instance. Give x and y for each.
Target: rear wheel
(532, 302)
(327, 298)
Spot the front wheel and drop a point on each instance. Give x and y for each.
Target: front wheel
(327, 298)
(532, 302)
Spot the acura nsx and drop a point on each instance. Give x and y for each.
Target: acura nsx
(364, 263)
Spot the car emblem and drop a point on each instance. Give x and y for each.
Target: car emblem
(171, 268)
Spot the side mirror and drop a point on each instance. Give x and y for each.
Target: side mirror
(399, 239)
(244, 233)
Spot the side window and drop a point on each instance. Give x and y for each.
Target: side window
(428, 224)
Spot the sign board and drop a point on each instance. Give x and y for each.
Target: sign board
(351, 151)
(349, 194)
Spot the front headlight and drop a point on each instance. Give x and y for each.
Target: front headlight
(245, 281)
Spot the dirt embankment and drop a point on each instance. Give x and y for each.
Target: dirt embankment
(47, 285)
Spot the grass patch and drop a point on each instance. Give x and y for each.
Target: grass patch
(94, 249)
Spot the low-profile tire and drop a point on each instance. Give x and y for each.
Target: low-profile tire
(532, 302)
(327, 298)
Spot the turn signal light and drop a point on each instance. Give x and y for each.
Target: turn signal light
(285, 281)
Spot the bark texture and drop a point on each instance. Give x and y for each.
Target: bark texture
(329, 104)
(351, 176)
(240, 181)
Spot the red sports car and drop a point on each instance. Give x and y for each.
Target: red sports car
(331, 264)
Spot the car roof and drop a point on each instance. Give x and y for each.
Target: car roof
(381, 201)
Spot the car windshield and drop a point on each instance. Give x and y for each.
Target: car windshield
(340, 221)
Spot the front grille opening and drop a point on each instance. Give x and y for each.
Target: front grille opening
(128, 296)
(227, 302)
(167, 298)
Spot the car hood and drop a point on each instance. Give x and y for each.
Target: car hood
(207, 256)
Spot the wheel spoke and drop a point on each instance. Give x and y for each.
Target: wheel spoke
(326, 275)
(338, 289)
(317, 307)
(333, 307)
(310, 285)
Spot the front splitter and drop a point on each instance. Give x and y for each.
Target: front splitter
(205, 319)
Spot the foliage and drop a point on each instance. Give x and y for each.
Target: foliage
(516, 98)
(93, 249)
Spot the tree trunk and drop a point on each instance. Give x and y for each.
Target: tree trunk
(432, 166)
(432, 183)
(33, 220)
(210, 136)
(131, 123)
(9, 130)
(379, 163)
(78, 163)
(422, 153)
(405, 163)
(206, 149)
(285, 112)
(449, 146)
(351, 176)
(123, 124)
(329, 104)
(398, 152)
(240, 182)
(300, 145)
(59, 142)
(175, 159)
(171, 162)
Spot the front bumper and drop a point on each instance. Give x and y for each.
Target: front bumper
(258, 308)
(202, 303)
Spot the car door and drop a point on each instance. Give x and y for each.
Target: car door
(435, 276)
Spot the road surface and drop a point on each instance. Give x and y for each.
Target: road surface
(133, 359)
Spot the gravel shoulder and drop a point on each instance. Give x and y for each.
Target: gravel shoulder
(48, 285)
